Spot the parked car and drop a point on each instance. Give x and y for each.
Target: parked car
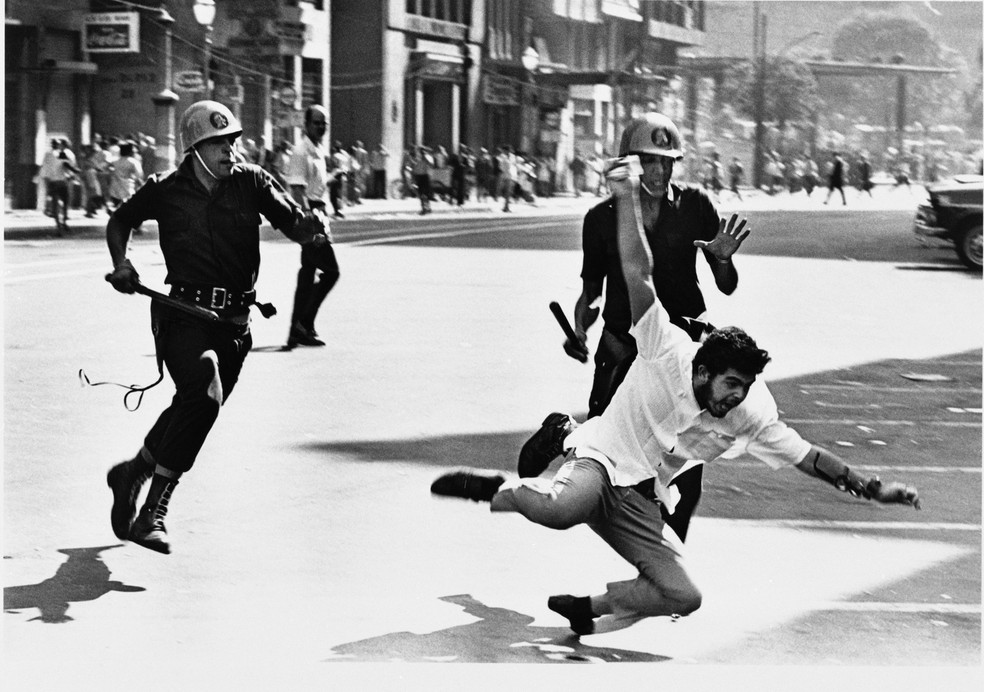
(953, 213)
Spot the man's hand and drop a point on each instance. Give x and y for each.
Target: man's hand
(729, 238)
(578, 350)
(124, 277)
(313, 230)
(895, 493)
(623, 174)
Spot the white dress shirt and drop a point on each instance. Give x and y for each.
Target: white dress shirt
(308, 166)
(654, 425)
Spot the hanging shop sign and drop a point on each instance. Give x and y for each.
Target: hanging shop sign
(435, 27)
(437, 66)
(111, 32)
(499, 91)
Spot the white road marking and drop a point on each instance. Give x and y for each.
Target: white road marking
(853, 525)
(431, 236)
(854, 421)
(871, 607)
(899, 390)
(884, 468)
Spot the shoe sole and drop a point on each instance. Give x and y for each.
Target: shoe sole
(525, 467)
(119, 518)
(157, 547)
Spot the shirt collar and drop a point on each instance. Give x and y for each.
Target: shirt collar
(673, 194)
(689, 408)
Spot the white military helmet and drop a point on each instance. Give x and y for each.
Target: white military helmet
(204, 120)
(652, 133)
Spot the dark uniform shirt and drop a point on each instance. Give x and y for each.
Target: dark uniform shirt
(687, 214)
(212, 239)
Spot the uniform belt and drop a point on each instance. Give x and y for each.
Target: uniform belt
(213, 297)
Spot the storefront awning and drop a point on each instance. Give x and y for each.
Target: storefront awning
(69, 66)
(596, 77)
(622, 9)
(578, 10)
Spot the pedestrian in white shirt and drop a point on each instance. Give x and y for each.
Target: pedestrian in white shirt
(681, 400)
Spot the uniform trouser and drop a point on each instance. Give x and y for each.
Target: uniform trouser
(310, 294)
(582, 493)
(204, 361)
(612, 362)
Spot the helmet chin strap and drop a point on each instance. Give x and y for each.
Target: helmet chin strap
(207, 169)
(646, 188)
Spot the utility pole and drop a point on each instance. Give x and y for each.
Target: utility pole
(759, 62)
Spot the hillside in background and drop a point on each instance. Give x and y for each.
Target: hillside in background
(729, 23)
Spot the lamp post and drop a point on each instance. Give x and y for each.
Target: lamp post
(531, 61)
(164, 100)
(205, 14)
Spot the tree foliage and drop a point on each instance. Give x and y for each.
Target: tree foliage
(881, 37)
(791, 93)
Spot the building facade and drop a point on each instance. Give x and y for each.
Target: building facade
(405, 72)
(74, 68)
(563, 76)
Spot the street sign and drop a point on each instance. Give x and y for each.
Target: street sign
(190, 80)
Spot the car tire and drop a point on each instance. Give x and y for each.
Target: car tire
(970, 247)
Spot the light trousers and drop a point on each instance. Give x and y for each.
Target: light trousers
(581, 493)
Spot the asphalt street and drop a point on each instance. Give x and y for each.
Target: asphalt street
(309, 553)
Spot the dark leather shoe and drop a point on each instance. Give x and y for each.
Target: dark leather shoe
(300, 336)
(545, 445)
(125, 480)
(148, 531)
(478, 486)
(575, 610)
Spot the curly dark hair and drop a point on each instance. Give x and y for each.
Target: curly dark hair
(731, 347)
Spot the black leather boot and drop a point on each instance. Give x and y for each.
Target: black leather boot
(148, 530)
(125, 480)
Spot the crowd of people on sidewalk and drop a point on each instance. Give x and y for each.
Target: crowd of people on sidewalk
(105, 174)
(832, 170)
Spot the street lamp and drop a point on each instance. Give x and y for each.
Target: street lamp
(165, 151)
(205, 14)
(531, 61)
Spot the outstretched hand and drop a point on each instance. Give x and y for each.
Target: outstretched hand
(896, 493)
(729, 238)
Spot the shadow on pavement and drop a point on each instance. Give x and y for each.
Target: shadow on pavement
(499, 636)
(83, 577)
(493, 450)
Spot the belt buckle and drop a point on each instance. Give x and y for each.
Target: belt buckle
(225, 298)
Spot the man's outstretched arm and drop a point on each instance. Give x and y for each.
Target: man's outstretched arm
(633, 250)
(827, 466)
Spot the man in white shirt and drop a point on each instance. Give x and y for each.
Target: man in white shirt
(507, 175)
(309, 178)
(680, 401)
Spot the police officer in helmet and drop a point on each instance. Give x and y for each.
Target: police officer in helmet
(208, 213)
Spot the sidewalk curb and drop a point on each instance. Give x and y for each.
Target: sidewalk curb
(33, 225)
